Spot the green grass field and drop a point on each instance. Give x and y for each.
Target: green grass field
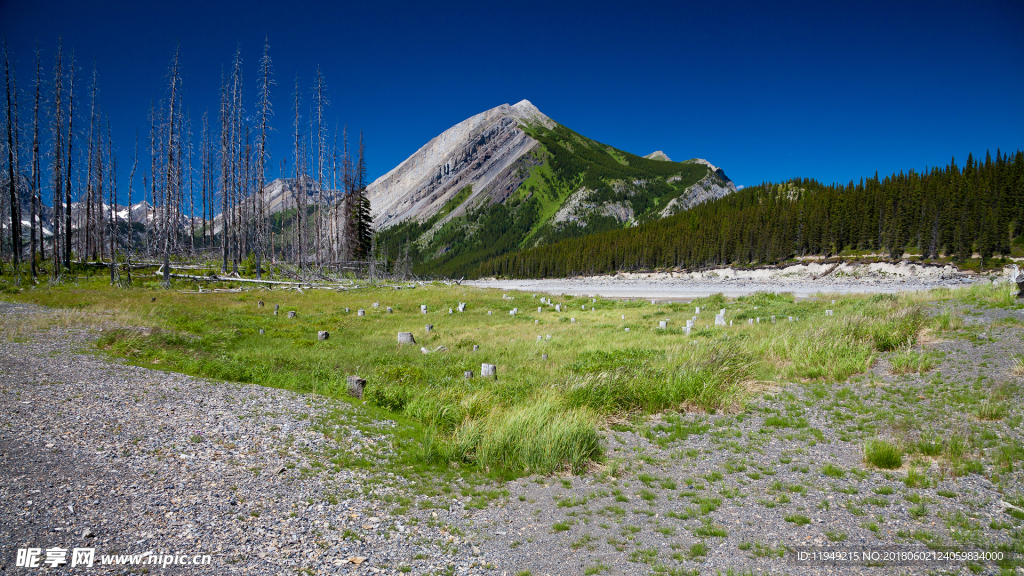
(538, 415)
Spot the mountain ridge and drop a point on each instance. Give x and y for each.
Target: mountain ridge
(511, 177)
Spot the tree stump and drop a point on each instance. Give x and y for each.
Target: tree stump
(292, 314)
(475, 347)
(468, 374)
(323, 335)
(346, 310)
(489, 371)
(360, 312)
(262, 331)
(260, 304)
(376, 305)
(390, 310)
(558, 307)
(428, 328)
(662, 324)
(423, 308)
(544, 357)
(406, 338)
(356, 386)
(539, 309)
(1020, 285)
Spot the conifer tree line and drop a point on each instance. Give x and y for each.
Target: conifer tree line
(953, 213)
(199, 187)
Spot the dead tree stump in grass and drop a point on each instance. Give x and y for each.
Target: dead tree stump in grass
(356, 386)
(489, 371)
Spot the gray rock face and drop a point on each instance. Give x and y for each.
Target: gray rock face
(712, 187)
(477, 152)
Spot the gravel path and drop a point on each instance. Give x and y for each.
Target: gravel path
(128, 460)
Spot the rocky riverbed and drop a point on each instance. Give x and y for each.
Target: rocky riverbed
(802, 280)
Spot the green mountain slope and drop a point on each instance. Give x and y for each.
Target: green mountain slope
(567, 186)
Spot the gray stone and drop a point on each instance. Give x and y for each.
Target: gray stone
(356, 386)
(406, 338)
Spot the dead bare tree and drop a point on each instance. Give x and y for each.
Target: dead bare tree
(34, 201)
(266, 84)
(67, 167)
(58, 160)
(174, 79)
(85, 243)
(319, 103)
(12, 175)
(225, 170)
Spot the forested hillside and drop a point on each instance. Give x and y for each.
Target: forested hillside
(951, 213)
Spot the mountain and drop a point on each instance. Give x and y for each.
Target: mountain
(512, 178)
(658, 155)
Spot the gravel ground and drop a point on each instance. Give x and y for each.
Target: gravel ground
(128, 460)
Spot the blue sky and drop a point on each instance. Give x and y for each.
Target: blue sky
(768, 91)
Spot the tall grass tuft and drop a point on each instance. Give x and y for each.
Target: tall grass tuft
(883, 454)
(709, 379)
(542, 436)
(948, 320)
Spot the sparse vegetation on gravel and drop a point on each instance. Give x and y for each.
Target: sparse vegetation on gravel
(671, 484)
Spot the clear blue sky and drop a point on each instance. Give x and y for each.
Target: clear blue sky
(768, 91)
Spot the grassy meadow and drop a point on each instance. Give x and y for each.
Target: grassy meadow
(541, 414)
